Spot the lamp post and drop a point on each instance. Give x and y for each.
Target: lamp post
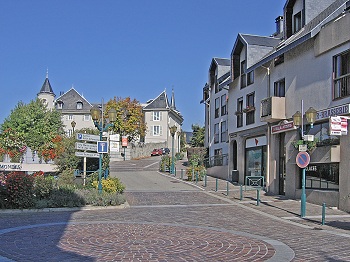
(172, 132)
(310, 116)
(97, 117)
(73, 124)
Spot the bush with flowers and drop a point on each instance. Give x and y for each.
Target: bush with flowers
(11, 143)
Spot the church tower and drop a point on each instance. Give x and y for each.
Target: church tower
(46, 93)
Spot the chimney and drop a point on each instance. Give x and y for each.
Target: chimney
(279, 25)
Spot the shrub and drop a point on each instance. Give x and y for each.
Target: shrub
(110, 185)
(193, 171)
(93, 197)
(165, 163)
(64, 197)
(19, 190)
(66, 178)
(43, 186)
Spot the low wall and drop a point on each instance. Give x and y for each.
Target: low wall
(218, 171)
(134, 151)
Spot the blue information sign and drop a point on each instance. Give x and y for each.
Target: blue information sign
(102, 147)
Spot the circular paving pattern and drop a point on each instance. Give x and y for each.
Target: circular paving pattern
(119, 241)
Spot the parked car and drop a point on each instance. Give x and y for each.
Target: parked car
(165, 151)
(157, 152)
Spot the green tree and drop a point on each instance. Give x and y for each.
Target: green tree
(197, 139)
(130, 118)
(34, 124)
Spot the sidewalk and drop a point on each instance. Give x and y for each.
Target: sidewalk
(274, 205)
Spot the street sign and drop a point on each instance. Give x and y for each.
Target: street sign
(87, 154)
(124, 141)
(303, 148)
(86, 146)
(115, 137)
(113, 146)
(302, 159)
(88, 137)
(102, 147)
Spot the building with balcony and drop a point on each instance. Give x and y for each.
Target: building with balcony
(305, 62)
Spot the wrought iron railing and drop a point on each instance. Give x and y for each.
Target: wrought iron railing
(342, 86)
(218, 160)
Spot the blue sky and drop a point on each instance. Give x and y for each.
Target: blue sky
(135, 48)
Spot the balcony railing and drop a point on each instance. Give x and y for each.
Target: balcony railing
(342, 86)
(272, 109)
(218, 160)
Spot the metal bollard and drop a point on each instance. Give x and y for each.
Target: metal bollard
(182, 173)
(196, 177)
(323, 213)
(240, 192)
(174, 171)
(205, 180)
(257, 197)
(227, 187)
(216, 185)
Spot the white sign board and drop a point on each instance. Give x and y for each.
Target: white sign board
(88, 137)
(87, 154)
(115, 137)
(302, 148)
(335, 126)
(86, 146)
(113, 146)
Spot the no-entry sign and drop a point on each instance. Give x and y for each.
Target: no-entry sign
(302, 159)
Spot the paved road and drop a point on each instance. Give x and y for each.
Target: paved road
(167, 220)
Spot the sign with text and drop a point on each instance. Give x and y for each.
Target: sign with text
(113, 146)
(86, 146)
(87, 154)
(124, 141)
(102, 147)
(338, 126)
(283, 127)
(88, 137)
(115, 137)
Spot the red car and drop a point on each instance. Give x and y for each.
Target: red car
(157, 152)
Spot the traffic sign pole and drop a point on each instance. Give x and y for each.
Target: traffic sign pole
(303, 160)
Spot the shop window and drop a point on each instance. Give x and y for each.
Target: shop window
(323, 176)
(322, 137)
(255, 161)
(216, 133)
(217, 107)
(279, 88)
(341, 75)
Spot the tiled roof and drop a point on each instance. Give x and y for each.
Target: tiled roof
(46, 88)
(161, 102)
(222, 61)
(70, 100)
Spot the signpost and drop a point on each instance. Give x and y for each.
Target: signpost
(88, 137)
(86, 146)
(303, 160)
(87, 154)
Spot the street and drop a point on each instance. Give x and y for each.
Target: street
(167, 219)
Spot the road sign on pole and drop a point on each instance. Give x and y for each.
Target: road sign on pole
(302, 159)
(102, 147)
(88, 137)
(87, 154)
(86, 146)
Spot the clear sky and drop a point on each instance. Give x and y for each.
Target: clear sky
(135, 48)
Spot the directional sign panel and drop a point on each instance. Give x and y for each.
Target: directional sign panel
(86, 146)
(102, 147)
(87, 154)
(302, 159)
(88, 137)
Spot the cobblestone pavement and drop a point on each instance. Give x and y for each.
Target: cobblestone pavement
(193, 223)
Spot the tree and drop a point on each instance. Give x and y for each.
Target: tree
(130, 118)
(197, 139)
(35, 125)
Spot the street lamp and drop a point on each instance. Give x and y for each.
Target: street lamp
(172, 132)
(97, 117)
(310, 116)
(73, 124)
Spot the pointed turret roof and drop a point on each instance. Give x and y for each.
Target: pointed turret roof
(172, 103)
(46, 88)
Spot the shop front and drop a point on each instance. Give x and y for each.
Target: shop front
(255, 157)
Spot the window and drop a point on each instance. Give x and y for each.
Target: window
(341, 75)
(279, 88)
(250, 78)
(69, 117)
(250, 110)
(223, 105)
(322, 176)
(217, 107)
(70, 132)
(216, 133)
(79, 105)
(87, 117)
(157, 115)
(321, 133)
(297, 22)
(59, 105)
(279, 60)
(223, 132)
(243, 75)
(157, 130)
(239, 112)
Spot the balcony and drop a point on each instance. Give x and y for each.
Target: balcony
(273, 109)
